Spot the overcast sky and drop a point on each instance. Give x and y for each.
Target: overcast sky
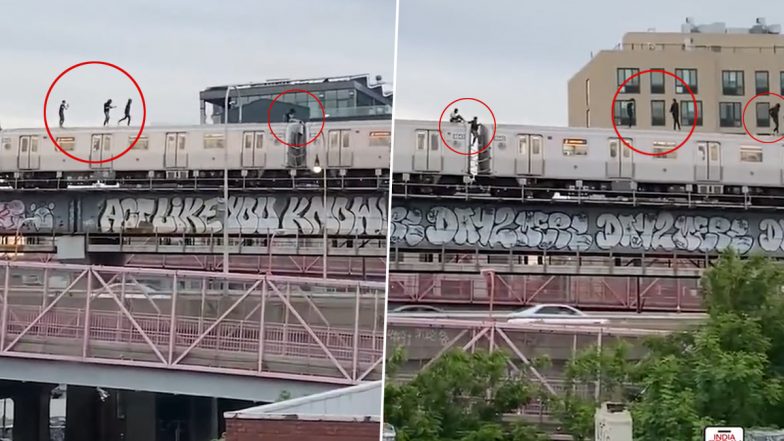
(176, 48)
(517, 56)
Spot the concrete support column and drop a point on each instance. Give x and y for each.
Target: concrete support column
(82, 414)
(140, 416)
(203, 425)
(31, 414)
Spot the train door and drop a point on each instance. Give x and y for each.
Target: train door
(530, 155)
(621, 159)
(427, 156)
(339, 148)
(100, 150)
(175, 155)
(252, 149)
(28, 158)
(708, 161)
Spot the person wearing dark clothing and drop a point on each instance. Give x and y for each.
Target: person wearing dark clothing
(127, 113)
(474, 131)
(676, 115)
(63, 108)
(290, 115)
(630, 112)
(774, 115)
(107, 106)
(455, 117)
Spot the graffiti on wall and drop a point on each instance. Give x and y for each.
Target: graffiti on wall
(345, 215)
(589, 230)
(35, 216)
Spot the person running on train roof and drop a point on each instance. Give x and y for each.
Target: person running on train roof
(774, 115)
(290, 115)
(63, 108)
(455, 117)
(630, 112)
(127, 113)
(474, 130)
(107, 106)
(676, 115)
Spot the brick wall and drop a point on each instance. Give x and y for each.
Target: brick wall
(238, 429)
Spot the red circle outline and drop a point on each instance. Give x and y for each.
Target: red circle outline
(138, 135)
(323, 118)
(441, 134)
(693, 123)
(743, 117)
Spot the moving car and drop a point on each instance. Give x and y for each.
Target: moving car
(554, 314)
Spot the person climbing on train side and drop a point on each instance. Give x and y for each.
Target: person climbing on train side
(676, 115)
(774, 115)
(455, 117)
(107, 106)
(630, 112)
(474, 131)
(63, 108)
(127, 113)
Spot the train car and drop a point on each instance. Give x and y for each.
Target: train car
(592, 159)
(354, 148)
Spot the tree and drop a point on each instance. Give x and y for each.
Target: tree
(461, 396)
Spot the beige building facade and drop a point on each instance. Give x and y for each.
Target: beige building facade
(725, 68)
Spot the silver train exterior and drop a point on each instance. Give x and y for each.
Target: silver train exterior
(186, 151)
(563, 157)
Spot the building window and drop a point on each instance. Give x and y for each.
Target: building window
(761, 81)
(729, 114)
(657, 81)
(732, 82)
(750, 154)
(633, 86)
(689, 76)
(763, 118)
(657, 113)
(621, 116)
(687, 113)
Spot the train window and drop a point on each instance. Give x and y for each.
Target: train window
(213, 141)
(522, 145)
(381, 139)
(434, 142)
(250, 137)
(107, 142)
(334, 138)
(248, 140)
(575, 147)
(536, 145)
(660, 147)
(259, 140)
(67, 143)
(614, 148)
(750, 154)
(714, 151)
(345, 138)
(421, 138)
(142, 144)
(96, 143)
(6, 143)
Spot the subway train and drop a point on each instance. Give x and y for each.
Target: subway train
(588, 158)
(185, 152)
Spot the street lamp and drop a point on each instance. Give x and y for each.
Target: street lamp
(317, 168)
(226, 170)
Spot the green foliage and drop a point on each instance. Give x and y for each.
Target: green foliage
(461, 396)
(728, 370)
(284, 395)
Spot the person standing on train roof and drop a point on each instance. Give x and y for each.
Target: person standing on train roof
(676, 115)
(774, 115)
(127, 113)
(107, 106)
(63, 108)
(290, 115)
(474, 130)
(455, 117)
(630, 112)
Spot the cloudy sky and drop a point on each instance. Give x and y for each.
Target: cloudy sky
(175, 48)
(517, 56)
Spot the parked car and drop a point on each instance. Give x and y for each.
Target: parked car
(554, 314)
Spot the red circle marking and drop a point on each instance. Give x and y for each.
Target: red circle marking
(743, 117)
(323, 117)
(138, 135)
(693, 123)
(441, 134)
